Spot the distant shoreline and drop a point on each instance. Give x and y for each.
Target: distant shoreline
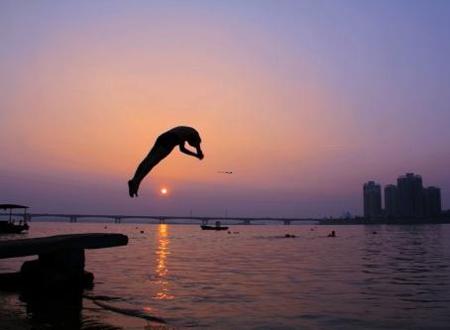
(354, 221)
(395, 221)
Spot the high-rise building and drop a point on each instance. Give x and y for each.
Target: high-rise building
(409, 199)
(372, 200)
(391, 200)
(410, 195)
(433, 204)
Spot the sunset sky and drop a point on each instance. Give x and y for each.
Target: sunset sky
(303, 100)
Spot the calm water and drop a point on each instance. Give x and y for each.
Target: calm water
(397, 278)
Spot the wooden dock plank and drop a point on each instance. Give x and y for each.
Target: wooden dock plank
(44, 245)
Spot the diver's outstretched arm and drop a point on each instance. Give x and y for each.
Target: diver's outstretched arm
(198, 155)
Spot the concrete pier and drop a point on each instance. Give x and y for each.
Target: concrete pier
(61, 261)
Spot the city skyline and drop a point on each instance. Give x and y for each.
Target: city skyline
(301, 100)
(409, 198)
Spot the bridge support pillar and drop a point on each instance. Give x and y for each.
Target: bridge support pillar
(117, 220)
(246, 222)
(287, 222)
(204, 222)
(162, 221)
(73, 218)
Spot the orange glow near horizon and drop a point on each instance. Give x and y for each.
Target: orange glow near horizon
(107, 112)
(87, 87)
(101, 107)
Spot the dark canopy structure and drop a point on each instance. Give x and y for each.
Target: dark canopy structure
(8, 226)
(12, 206)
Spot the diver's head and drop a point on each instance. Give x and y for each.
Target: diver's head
(194, 140)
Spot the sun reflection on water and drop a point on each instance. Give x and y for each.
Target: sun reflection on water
(162, 271)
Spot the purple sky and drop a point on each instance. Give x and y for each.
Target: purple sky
(303, 100)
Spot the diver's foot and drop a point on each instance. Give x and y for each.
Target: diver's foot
(132, 188)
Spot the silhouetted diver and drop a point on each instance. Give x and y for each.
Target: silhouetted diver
(163, 147)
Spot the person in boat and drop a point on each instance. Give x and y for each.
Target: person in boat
(163, 146)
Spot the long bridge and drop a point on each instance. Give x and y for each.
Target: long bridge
(119, 218)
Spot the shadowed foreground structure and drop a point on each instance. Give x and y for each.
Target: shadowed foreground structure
(44, 245)
(52, 285)
(61, 261)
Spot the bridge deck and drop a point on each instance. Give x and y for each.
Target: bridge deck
(162, 217)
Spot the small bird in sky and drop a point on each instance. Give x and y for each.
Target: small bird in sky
(225, 172)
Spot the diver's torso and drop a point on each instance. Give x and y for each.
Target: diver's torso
(176, 136)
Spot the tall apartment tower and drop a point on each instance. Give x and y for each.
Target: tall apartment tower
(433, 203)
(410, 195)
(391, 200)
(372, 200)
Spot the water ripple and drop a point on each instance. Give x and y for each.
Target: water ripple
(259, 279)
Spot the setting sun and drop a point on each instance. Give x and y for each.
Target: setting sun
(164, 191)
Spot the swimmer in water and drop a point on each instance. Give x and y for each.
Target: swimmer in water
(164, 145)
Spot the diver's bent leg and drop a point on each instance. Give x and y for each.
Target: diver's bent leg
(151, 160)
(144, 168)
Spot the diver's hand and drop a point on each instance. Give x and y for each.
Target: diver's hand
(200, 156)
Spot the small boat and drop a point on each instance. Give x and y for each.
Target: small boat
(205, 227)
(216, 227)
(10, 226)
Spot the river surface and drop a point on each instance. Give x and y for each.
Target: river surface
(368, 277)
